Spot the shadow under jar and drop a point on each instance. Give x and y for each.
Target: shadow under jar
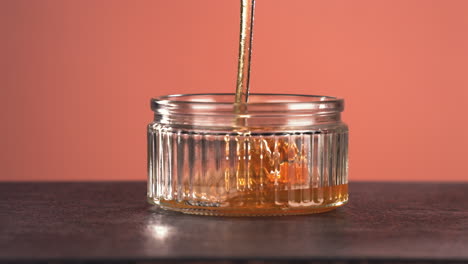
(281, 155)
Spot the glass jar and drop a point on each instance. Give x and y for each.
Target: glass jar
(282, 155)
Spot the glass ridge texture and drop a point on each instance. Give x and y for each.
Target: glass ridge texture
(287, 156)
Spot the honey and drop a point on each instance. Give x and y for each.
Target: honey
(314, 201)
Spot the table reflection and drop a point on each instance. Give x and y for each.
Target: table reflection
(159, 233)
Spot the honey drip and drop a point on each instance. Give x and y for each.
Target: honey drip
(270, 174)
(245, 51)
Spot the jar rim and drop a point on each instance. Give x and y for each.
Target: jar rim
(262, 110)
(319, 99)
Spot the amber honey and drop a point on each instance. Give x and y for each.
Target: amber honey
(309, 201)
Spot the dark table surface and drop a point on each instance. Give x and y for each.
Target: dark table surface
(111, 222)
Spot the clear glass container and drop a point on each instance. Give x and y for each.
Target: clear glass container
(283, 155)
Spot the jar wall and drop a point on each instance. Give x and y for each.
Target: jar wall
(232, 173)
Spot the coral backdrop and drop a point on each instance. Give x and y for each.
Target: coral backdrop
(76, 78)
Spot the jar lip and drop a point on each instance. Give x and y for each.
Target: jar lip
(263, 109)
(319, 99)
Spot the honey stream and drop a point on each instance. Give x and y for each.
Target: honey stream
(255, 170)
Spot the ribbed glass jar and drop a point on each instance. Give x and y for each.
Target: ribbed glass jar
(281, 155)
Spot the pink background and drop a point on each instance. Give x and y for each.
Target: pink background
(76, 78)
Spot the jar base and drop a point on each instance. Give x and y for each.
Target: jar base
(216, 211)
